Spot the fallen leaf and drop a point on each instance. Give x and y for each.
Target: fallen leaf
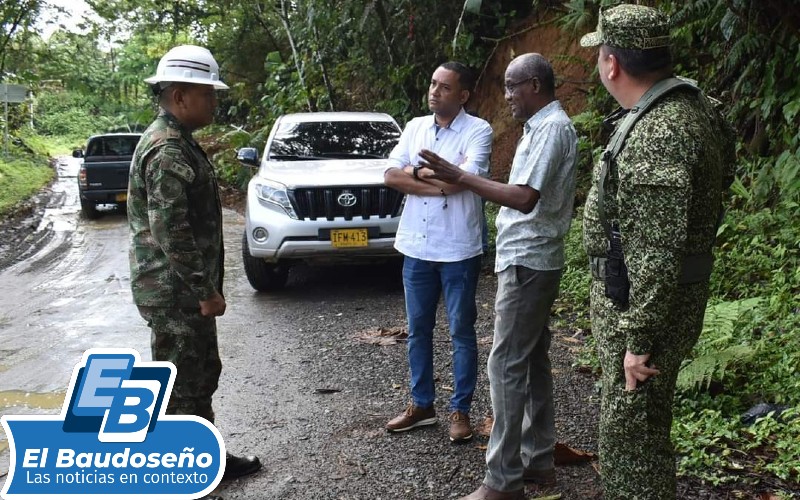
(768, 496)
(564, 455)
(382, 336)
(447, 388)
(487, 340)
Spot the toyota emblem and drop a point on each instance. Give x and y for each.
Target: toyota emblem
(346, 199)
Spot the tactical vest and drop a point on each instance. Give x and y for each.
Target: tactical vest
(694, 268)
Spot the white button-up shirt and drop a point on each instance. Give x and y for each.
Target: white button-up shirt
(439, 228)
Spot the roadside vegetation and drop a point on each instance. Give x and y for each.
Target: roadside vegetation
(738, 403)
(20, 178)
(302, 55)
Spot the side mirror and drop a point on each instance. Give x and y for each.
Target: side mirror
(248, 156)
(77, 153)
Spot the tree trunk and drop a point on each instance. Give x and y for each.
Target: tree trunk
(394, 57)
(284, 17)
(328, 85)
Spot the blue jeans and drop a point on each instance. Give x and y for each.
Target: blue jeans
(424, 281)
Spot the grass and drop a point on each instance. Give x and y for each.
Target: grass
(25, 169)
(20, 179)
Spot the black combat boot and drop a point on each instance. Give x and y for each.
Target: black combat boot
(240, 466)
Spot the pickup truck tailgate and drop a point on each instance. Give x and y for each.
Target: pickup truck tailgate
(107, 174)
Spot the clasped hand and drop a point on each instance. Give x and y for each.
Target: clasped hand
(442, 169)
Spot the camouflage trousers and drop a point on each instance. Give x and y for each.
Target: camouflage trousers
(189, 341)
(637, 459)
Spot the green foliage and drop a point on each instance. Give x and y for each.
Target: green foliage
(718, 449)
(64, 114)
(49, 146)
(574, 288)
(491, 210)
(699, 372)
(221, 143)
(715, 354)
(749, 351)
(21, 177)
(579, 17)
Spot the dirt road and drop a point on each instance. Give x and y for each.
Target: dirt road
(298, 389)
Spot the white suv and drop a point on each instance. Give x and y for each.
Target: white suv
(318, 195)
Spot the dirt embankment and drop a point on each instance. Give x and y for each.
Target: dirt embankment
(573, 66)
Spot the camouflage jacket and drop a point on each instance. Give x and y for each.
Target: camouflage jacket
(666, 191)
(175, 219)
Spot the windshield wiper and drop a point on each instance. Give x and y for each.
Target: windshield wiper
(345, 156)
(295, 157)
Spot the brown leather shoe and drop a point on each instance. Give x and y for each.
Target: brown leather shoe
(541, 477)
(460, 429)
(414, 416)
(486, 493)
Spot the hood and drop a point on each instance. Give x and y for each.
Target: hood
(309, 173)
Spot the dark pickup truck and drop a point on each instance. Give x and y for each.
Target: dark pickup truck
(103, 176)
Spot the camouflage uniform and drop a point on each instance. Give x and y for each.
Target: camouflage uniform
(665, 191)
(176, 257)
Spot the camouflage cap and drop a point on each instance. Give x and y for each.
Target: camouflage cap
(630, 27)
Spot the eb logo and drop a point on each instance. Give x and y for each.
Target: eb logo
(118, 398)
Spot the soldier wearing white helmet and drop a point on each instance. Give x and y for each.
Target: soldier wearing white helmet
(187, 64)
(175, 219)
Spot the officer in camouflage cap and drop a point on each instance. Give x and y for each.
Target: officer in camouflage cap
(649, 227)
(175, 218)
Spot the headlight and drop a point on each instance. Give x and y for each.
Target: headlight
(275, 193)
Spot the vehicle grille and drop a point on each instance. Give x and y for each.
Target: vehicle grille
(370, 201)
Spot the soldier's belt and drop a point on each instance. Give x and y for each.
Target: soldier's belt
(694, 268)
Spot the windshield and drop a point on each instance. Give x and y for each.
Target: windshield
(117, 145)
(327, 140)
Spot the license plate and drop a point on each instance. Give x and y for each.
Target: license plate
(122, 197)
(344, 238)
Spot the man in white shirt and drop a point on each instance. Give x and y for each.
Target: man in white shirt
(531, 226)
(440, 237)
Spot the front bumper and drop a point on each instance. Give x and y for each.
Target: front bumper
(309, 240)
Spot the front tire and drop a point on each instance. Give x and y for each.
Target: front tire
(263, 276)
(89, 210)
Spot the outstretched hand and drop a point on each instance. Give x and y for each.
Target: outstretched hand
(636, 369)
(442, 169)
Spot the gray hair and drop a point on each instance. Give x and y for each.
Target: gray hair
(532, 65)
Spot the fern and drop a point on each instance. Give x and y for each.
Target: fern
(720, 319)
(699, 372)
(718, 328)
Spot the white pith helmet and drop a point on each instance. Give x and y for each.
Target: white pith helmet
(189, 64)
